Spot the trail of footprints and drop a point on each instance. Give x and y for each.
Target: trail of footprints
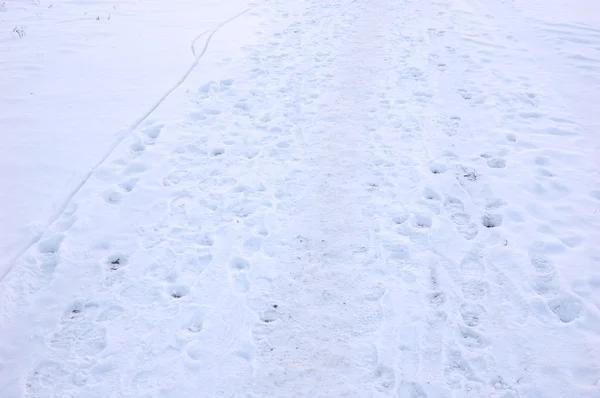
(566, 306)
(471, 274)
(83, 326)
(82, 331)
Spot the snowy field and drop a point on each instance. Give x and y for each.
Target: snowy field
(318, 198)
(76, 75)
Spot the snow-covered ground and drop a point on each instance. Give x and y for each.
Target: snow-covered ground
(76, 75)
(347, 198)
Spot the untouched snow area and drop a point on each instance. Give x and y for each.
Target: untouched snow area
(354, 198)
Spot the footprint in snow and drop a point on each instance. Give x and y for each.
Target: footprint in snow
(472, 314)
(112, 197)
(432, 200)
(42, 379)
(135, 168)
(253, 244)
(137, 148)
(194, 320)
(453, 205)
(217, 151)
(471, 338)
(431, 195)
(595, 194)
(178, 291)
(567, 307)
(463, 224)
(438, 168)
(384, 378)
(422, 220)
(540, 262)
(491, 220)
(205, 239)
(400, 216)
(175, 177)
(241, 106)
(152, 133)
(543, 172)
(472, 265)
(409, 389)
(457, 368)
(239, 268)
(128, 185)
(546, 285)
(206, 88)
(182, 207)
(110, 313)
(50, 245)
(78, 310)
(436, 299)
(225, 84)
(474, 289)
(465, 94)
(460, 219)
(494, 203)
(496, 163)
(82, 338)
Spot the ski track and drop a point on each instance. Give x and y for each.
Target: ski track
(386, 199)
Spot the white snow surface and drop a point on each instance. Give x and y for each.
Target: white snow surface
(356, 198)
(82, 74)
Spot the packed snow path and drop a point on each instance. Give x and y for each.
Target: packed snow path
(386, 198)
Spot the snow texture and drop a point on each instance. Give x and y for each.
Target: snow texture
(319, 198)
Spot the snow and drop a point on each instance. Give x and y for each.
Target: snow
(317, 198)
(82, 74)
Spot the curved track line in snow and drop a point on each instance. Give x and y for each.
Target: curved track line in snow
(126, 133)
(194, 64)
